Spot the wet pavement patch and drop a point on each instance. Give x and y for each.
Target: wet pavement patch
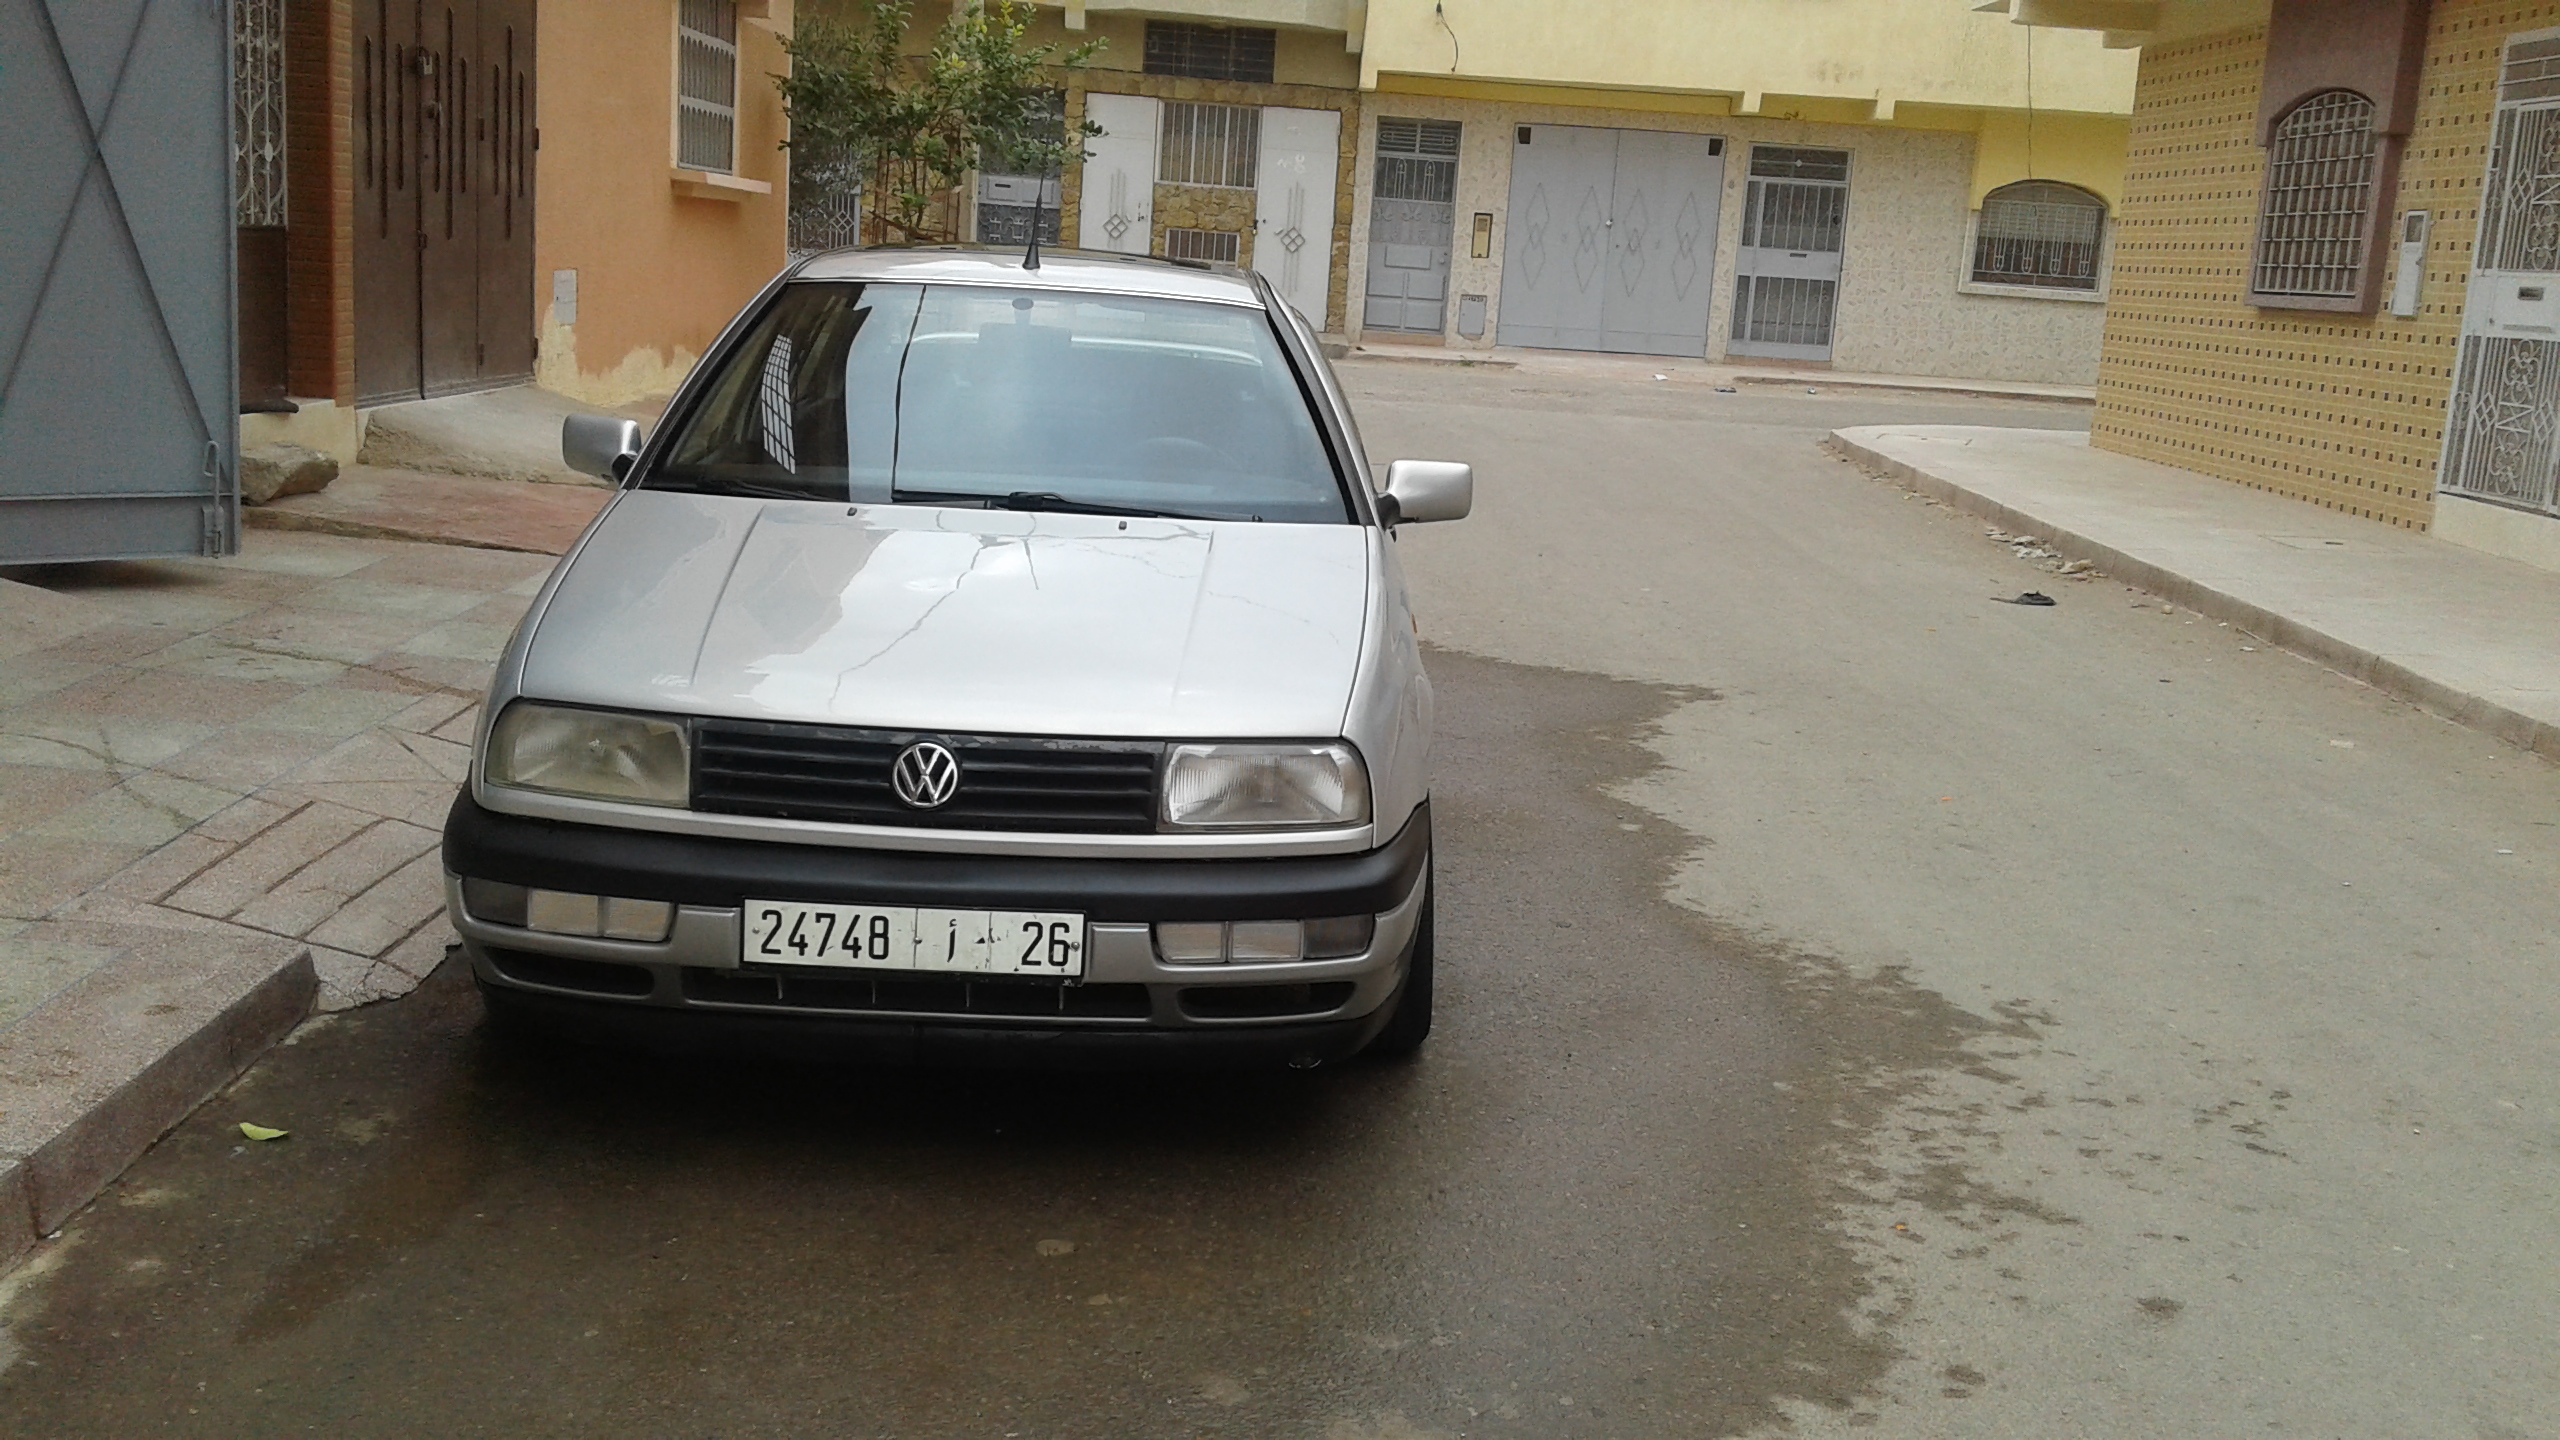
(1607, 1201)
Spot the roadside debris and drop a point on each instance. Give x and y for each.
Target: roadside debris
(2027, 597)
(261, 1132)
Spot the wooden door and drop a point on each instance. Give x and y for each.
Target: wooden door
(444, 192)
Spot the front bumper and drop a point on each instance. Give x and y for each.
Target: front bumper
(1129, 1003)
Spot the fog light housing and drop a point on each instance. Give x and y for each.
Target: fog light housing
(1341, 937)
(1192, 942)
(566, 912)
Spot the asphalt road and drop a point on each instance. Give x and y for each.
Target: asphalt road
(1864, 1008)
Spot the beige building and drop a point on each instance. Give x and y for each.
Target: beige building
(2339, 277)
(1903, 186)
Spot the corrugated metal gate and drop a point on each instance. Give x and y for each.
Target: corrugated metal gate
(2500, 432)
(119, 434)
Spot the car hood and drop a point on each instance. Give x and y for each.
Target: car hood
(957, 620)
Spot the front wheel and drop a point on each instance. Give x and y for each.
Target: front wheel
(1410, 1025)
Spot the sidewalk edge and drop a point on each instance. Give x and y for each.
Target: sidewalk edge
(253, 1001)
(2347, 658)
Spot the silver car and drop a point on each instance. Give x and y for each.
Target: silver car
(985, 651)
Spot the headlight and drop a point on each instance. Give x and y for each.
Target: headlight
(588, 752)
(1264, 787)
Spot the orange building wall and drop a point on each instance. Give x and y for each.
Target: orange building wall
(2345, 411)
(659, 273)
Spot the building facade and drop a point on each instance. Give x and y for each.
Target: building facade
(440, 199)
(2339, 277)
(1902, 186)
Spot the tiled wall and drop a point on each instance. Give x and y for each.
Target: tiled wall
(2345, 411)
(1901, 311)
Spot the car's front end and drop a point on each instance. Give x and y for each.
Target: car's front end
(810, 752)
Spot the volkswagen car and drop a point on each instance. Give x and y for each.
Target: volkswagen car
(989, 655)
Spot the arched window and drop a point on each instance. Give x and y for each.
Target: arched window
(2314, 229)
(2036, 232)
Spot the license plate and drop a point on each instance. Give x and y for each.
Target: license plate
(888, 937)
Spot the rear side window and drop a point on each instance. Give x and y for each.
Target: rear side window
(960, 395)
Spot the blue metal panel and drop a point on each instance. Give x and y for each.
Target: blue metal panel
(119, 429)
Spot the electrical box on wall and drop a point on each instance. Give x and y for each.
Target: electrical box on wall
(1471, 317)
(2411, 276)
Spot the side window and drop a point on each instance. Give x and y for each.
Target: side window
(2037, 232)
(707, 85)
(2315, 225)
(1210, 145)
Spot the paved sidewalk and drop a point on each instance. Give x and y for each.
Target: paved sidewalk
(1728, 375)
(376, 502)
(2470, 636)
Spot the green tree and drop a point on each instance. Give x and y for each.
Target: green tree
(910, 128)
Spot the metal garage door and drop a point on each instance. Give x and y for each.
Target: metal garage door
(118, 429)
(1612, 240)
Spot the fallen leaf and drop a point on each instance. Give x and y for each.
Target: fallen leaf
(261, 1132)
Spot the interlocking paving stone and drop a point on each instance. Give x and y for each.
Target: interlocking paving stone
(265, 862)
(297, 903)
(385, 914)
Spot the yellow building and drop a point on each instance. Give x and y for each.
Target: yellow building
(1882, 185)
(577, 191)
(2339, 277)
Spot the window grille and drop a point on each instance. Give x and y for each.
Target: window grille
(257, 106)
(1418, 160)
(2320, 168)
(1783, 310)
(707, 85)
(1216, 246)
(1210, 145)
(1210, 52)
(2038, 233)
(1786, 162)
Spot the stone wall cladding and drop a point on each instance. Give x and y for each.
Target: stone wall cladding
(1232, 92)
(1205, 207)
(2345, 411)
(1900, 311)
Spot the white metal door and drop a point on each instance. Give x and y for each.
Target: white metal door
(1412, 216)
(2500, 429)
(1293, 206)
(1119, 197)
(119, 402)
(1662, 243)
(1554, 262)
(1787, 276)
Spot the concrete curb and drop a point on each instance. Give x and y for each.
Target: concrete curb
(97, 1074)
(1981, 389)
(1459, 358)
(261, 517)
(2344, 656)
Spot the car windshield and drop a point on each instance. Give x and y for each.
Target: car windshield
(1026, 399)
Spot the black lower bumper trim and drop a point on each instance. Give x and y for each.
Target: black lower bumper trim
(699, 870)
(837, 1038)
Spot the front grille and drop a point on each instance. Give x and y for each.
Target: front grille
(841, 776)
(903, 995)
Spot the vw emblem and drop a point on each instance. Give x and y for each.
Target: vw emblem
(925, 775)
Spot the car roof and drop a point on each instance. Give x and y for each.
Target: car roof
(1091, 270)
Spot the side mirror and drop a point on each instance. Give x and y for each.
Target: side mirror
(599, 445)
(1419, 490)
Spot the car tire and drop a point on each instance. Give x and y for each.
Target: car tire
(1410, 1025)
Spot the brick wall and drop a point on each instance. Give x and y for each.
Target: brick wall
(2345, 411)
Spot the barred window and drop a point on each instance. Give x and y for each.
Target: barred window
(1418, 160)
(1210, 145)
(1216, 246)
(2036, 232)
(2320, 170)
(1210, 52)
(707, 85)
(257, 111)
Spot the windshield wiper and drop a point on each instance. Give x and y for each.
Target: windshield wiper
(1051, 500)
